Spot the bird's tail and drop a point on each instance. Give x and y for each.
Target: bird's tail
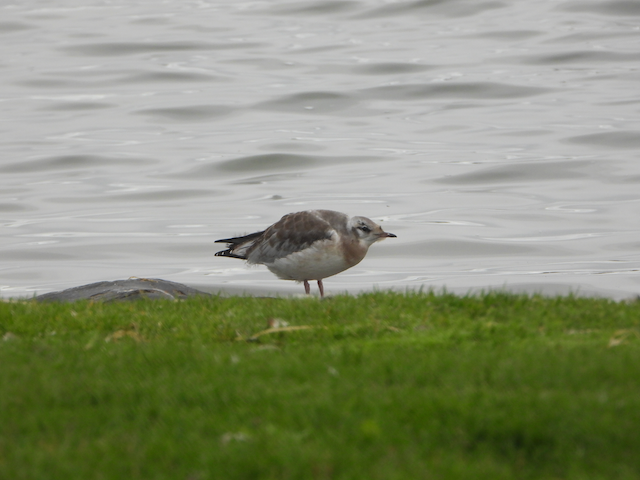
(237, 246)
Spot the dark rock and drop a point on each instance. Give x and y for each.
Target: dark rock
(123, 290)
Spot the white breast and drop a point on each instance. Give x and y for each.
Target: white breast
(321, 260)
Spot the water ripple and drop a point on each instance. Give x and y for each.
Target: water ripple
(109, 49)
(630, 140)
(476, 90)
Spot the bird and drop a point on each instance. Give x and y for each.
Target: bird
(308, 245)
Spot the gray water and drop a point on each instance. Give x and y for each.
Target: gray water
(500, 140)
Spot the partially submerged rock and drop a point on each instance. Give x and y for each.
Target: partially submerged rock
(120, 290)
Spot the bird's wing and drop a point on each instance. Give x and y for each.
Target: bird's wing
(293, 233)
(238, 245)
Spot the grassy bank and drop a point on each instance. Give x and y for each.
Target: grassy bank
(380, 386)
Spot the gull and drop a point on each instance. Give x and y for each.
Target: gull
(309, 245)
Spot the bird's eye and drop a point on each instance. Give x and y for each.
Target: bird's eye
(364, 228)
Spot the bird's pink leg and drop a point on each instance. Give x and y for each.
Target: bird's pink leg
(321, 287)
(307, 288)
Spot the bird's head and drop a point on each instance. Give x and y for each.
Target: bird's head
(367, 230)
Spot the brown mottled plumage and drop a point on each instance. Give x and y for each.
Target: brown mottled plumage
(309, 245)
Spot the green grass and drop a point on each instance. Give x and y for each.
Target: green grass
(383, 386)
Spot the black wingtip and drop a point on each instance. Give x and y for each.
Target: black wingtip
(228, 253)
(239, 240)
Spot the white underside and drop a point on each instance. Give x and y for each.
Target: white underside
(319, 261)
